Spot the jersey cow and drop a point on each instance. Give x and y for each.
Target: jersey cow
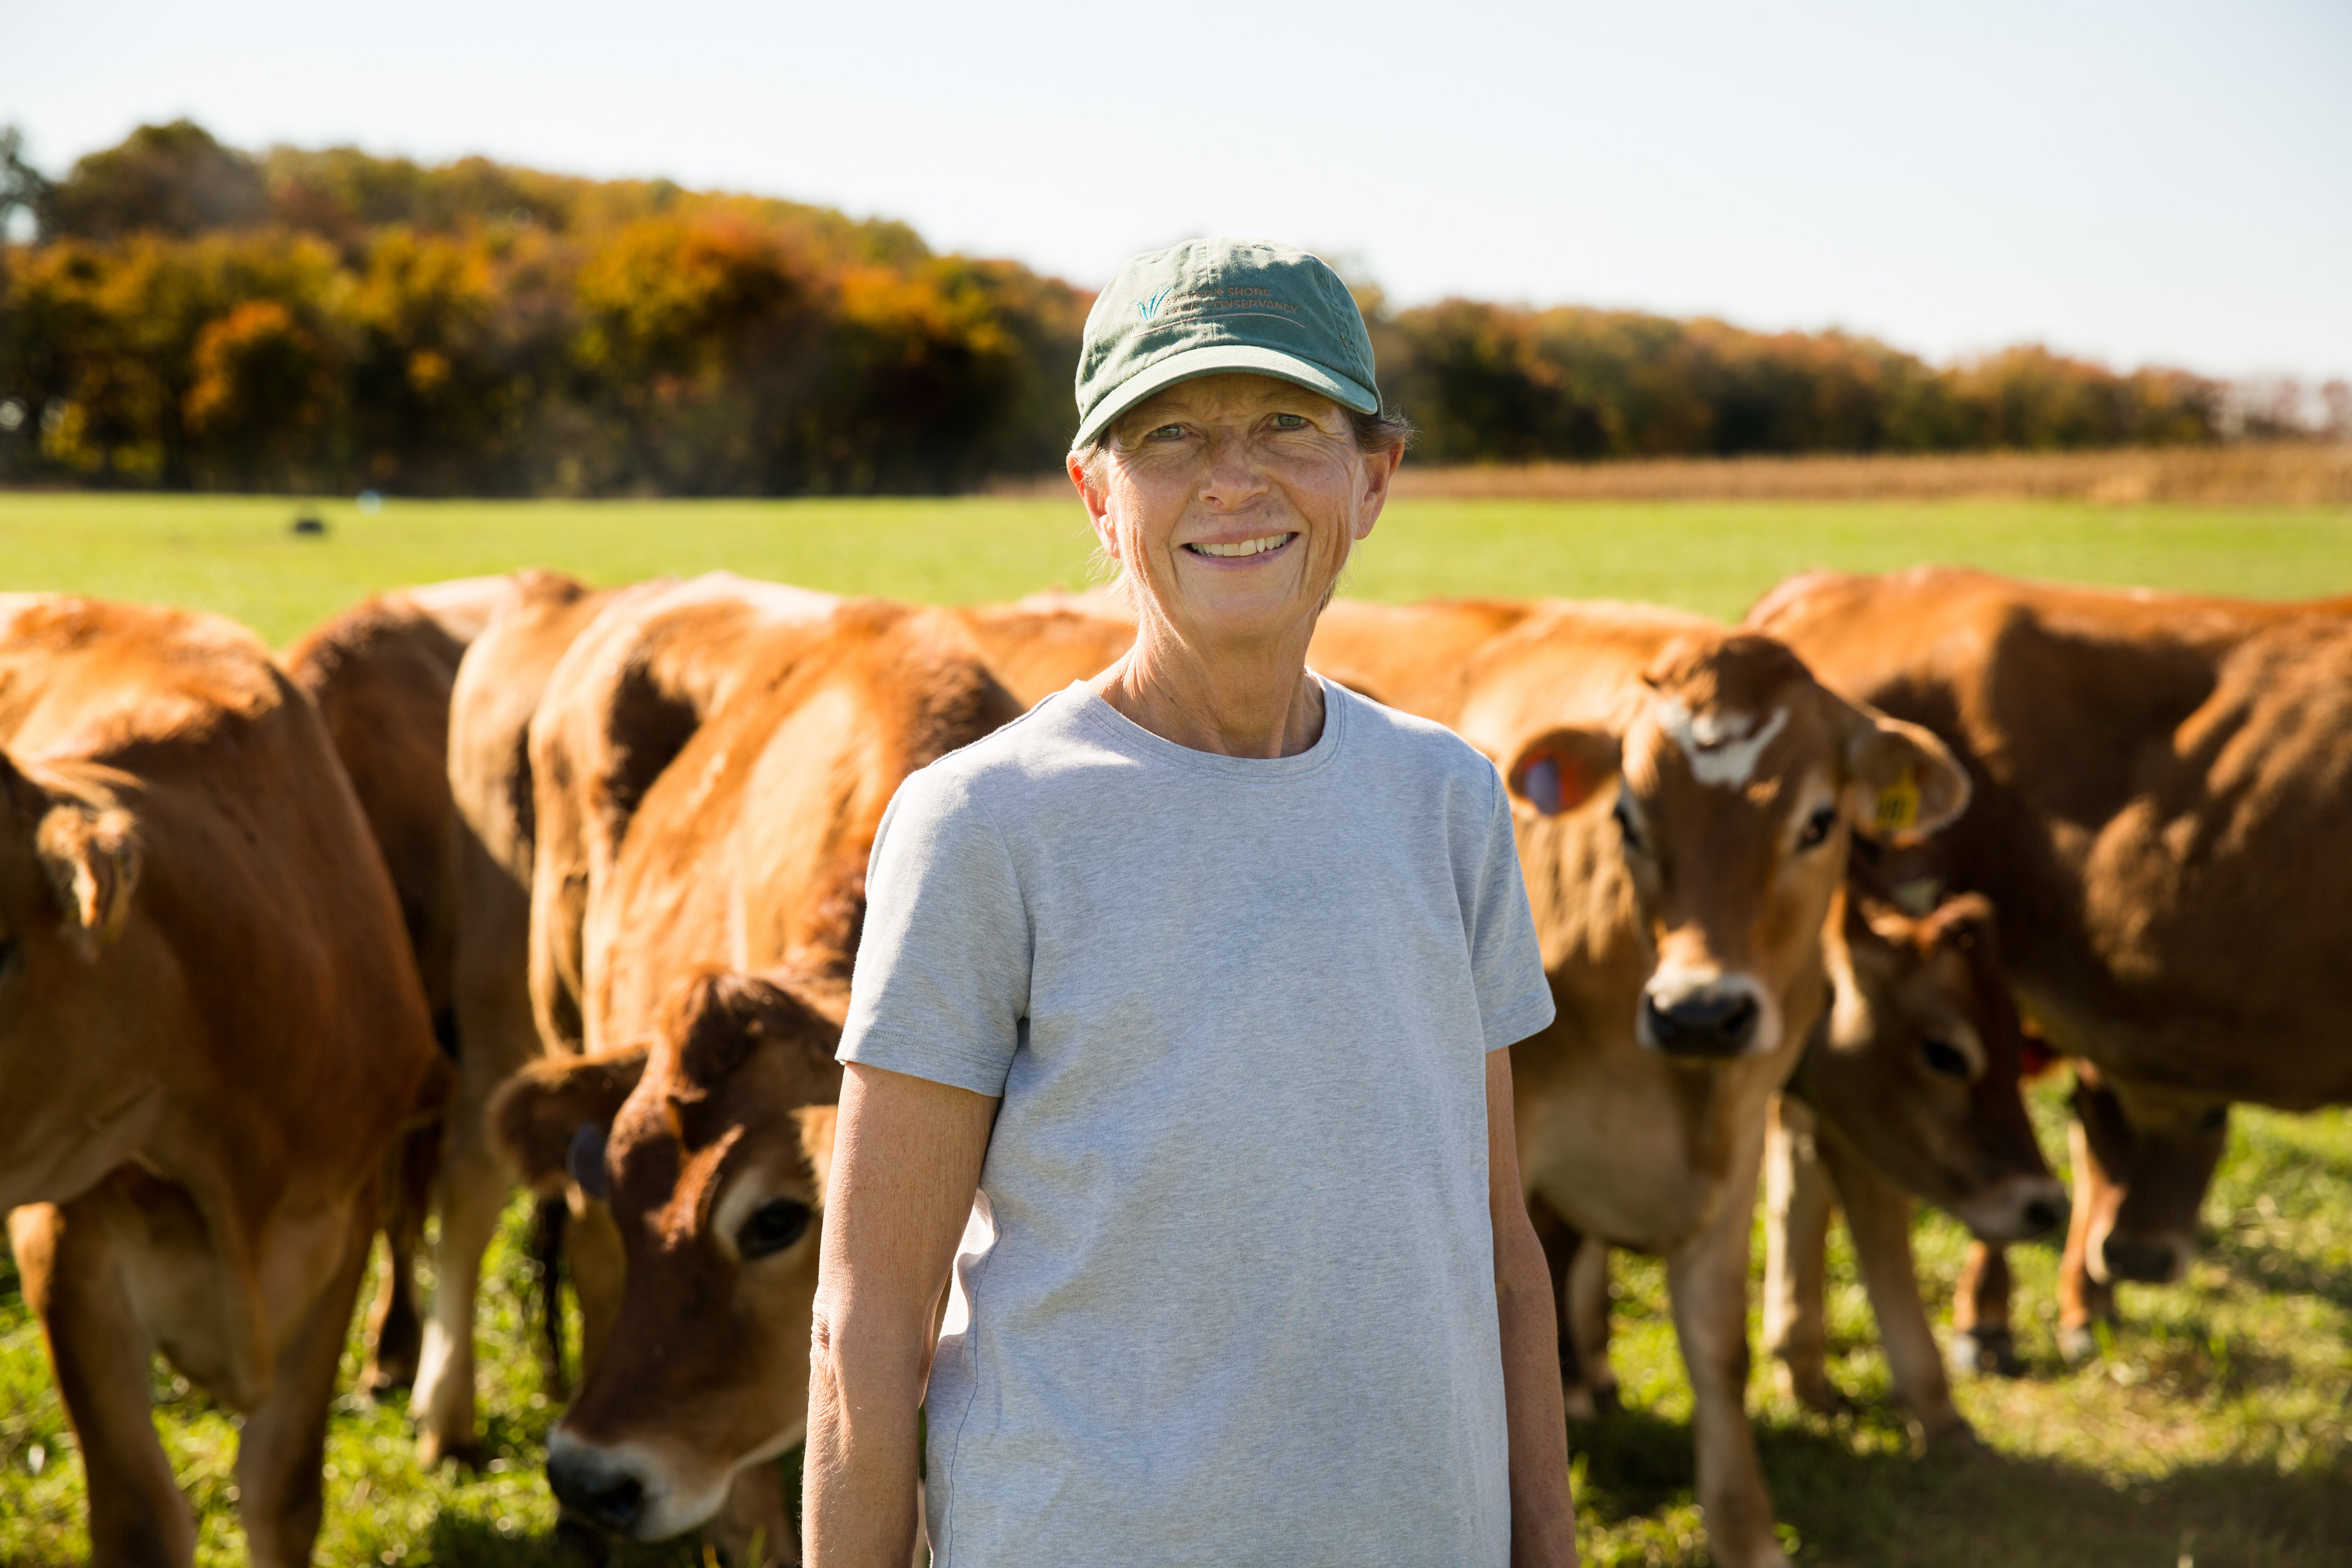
(2165, 794)
(210, 1030)
(715, 945)
(1911, 1086)
(379, 674)
(1683, 797)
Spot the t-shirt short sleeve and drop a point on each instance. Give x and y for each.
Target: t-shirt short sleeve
(942, 977)
(1505, 960)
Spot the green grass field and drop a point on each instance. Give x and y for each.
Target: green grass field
(2217, 1431)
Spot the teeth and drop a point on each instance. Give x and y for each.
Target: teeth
(1247, 547)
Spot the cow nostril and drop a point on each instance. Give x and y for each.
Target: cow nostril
(1708, 1024)
(2041, 1215)
(606, 1499)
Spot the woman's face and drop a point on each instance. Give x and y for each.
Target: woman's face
(1232, 502)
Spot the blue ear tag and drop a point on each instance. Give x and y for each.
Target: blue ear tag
(585, 1161)
(1539, 782)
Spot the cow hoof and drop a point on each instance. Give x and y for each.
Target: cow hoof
(1992, 1354)
(2078, 1344)
(433, 1452)
(382, 1384)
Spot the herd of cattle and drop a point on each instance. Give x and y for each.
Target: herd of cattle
(514, 878)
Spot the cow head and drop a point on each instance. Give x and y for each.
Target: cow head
(1919, 1066)
(714, 1161)
(2148, 1155)
(1737, 778)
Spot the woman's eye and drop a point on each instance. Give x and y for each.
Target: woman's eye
(1168, 433)
(1290, 421)
(1817, 828)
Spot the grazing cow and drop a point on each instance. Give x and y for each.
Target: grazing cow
(2165, 794)
(490, 700)
(379, 674)
(746, 855)
(1683, 797)
(211, 1032)
(1910, 1087)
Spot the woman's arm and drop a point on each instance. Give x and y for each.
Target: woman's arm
(905, 1162)
(1543, 1516)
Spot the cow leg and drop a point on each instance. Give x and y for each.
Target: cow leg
(2084, 1301)
(1586, 1313)
(1981, 1340)
(496, 1038)
(754, 1517)
(282, 1447)
(101, 1354)
(1579, 1266)
(474, 1185)
(1707, 1278)
(395, 1330)
(1879, 1215)
(1798, 1202)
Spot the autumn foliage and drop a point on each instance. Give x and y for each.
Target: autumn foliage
(191, 316)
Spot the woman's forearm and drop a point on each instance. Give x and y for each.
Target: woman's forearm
(858, 1475)
(1543, 1515)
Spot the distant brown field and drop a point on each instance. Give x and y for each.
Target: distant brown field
(2268, 474)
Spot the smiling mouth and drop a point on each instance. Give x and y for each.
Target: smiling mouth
(1243, 547)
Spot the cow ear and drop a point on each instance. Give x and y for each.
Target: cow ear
(817, 1125)
(1906, 782)
(552, 1118)
(1561, 769)
(92, 857)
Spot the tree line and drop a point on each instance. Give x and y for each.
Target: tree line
(185, 315)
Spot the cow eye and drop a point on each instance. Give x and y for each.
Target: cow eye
(1624, 814)
(1817, 828)
(773, 1225)
(1946, 1058)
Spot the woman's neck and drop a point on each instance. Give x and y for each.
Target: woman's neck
(1245, 701)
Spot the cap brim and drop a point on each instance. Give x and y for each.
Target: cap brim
(1217, 358)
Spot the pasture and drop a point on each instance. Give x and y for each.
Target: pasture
(2216, 1430)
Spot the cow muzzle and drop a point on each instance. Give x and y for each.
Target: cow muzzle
(2141, 1257)
(621, 1491)
(2016, 1209)
(1707, 1015)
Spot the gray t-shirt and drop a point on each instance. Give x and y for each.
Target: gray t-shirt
(1228, 1297)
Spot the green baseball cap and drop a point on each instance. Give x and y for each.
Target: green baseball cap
(1214, 305)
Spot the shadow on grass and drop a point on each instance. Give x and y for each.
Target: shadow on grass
(1859, 1507)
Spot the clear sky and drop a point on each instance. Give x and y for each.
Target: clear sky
(2144, 182)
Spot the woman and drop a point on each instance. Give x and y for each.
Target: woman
(1191, 989)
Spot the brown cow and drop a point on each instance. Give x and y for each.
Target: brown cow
(379, 674)
(491, 698)
(1910, 1087)
(747, 854)
(210, 1030)
(2165, 792)
(1684, 796)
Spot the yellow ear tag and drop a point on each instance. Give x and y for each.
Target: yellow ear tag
(1898, 805)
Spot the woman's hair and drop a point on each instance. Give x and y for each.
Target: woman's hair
(1382, 432)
